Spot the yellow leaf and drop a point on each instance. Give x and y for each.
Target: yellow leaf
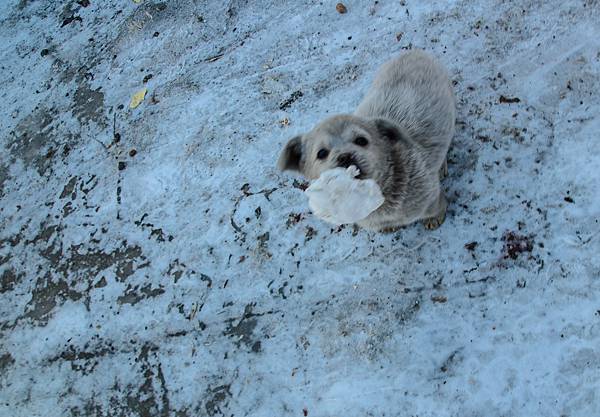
(137, 98)
(137, 1)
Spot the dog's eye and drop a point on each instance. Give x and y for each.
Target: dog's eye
(361, 141)
(322, 154)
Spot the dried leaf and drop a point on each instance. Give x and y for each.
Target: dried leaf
(341, 8)
(137, 98)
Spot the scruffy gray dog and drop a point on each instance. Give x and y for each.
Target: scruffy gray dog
(398, 136)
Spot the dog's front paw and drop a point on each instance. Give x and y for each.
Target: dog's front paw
(434, 222)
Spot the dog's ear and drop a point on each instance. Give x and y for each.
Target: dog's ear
(388, 129)
(291, 156)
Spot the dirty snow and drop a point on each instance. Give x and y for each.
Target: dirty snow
(154, 262)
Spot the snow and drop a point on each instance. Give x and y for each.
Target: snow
(339, 198)
(195, 281)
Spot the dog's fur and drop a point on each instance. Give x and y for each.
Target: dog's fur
(407, 119)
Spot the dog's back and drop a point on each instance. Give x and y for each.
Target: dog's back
(414, 91)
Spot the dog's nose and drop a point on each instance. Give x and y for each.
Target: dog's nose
(345, 160)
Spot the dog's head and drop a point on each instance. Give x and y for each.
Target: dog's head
(342, 141)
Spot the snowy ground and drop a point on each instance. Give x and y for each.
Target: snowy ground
(154, 263)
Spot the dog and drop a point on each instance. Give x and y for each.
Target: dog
(398, 136)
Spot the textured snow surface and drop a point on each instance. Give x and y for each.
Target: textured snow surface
(339, 198)
(153, 262)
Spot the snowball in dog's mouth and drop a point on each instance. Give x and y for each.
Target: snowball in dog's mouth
(340, 197)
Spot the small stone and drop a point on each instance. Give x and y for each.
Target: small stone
(341, 8)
